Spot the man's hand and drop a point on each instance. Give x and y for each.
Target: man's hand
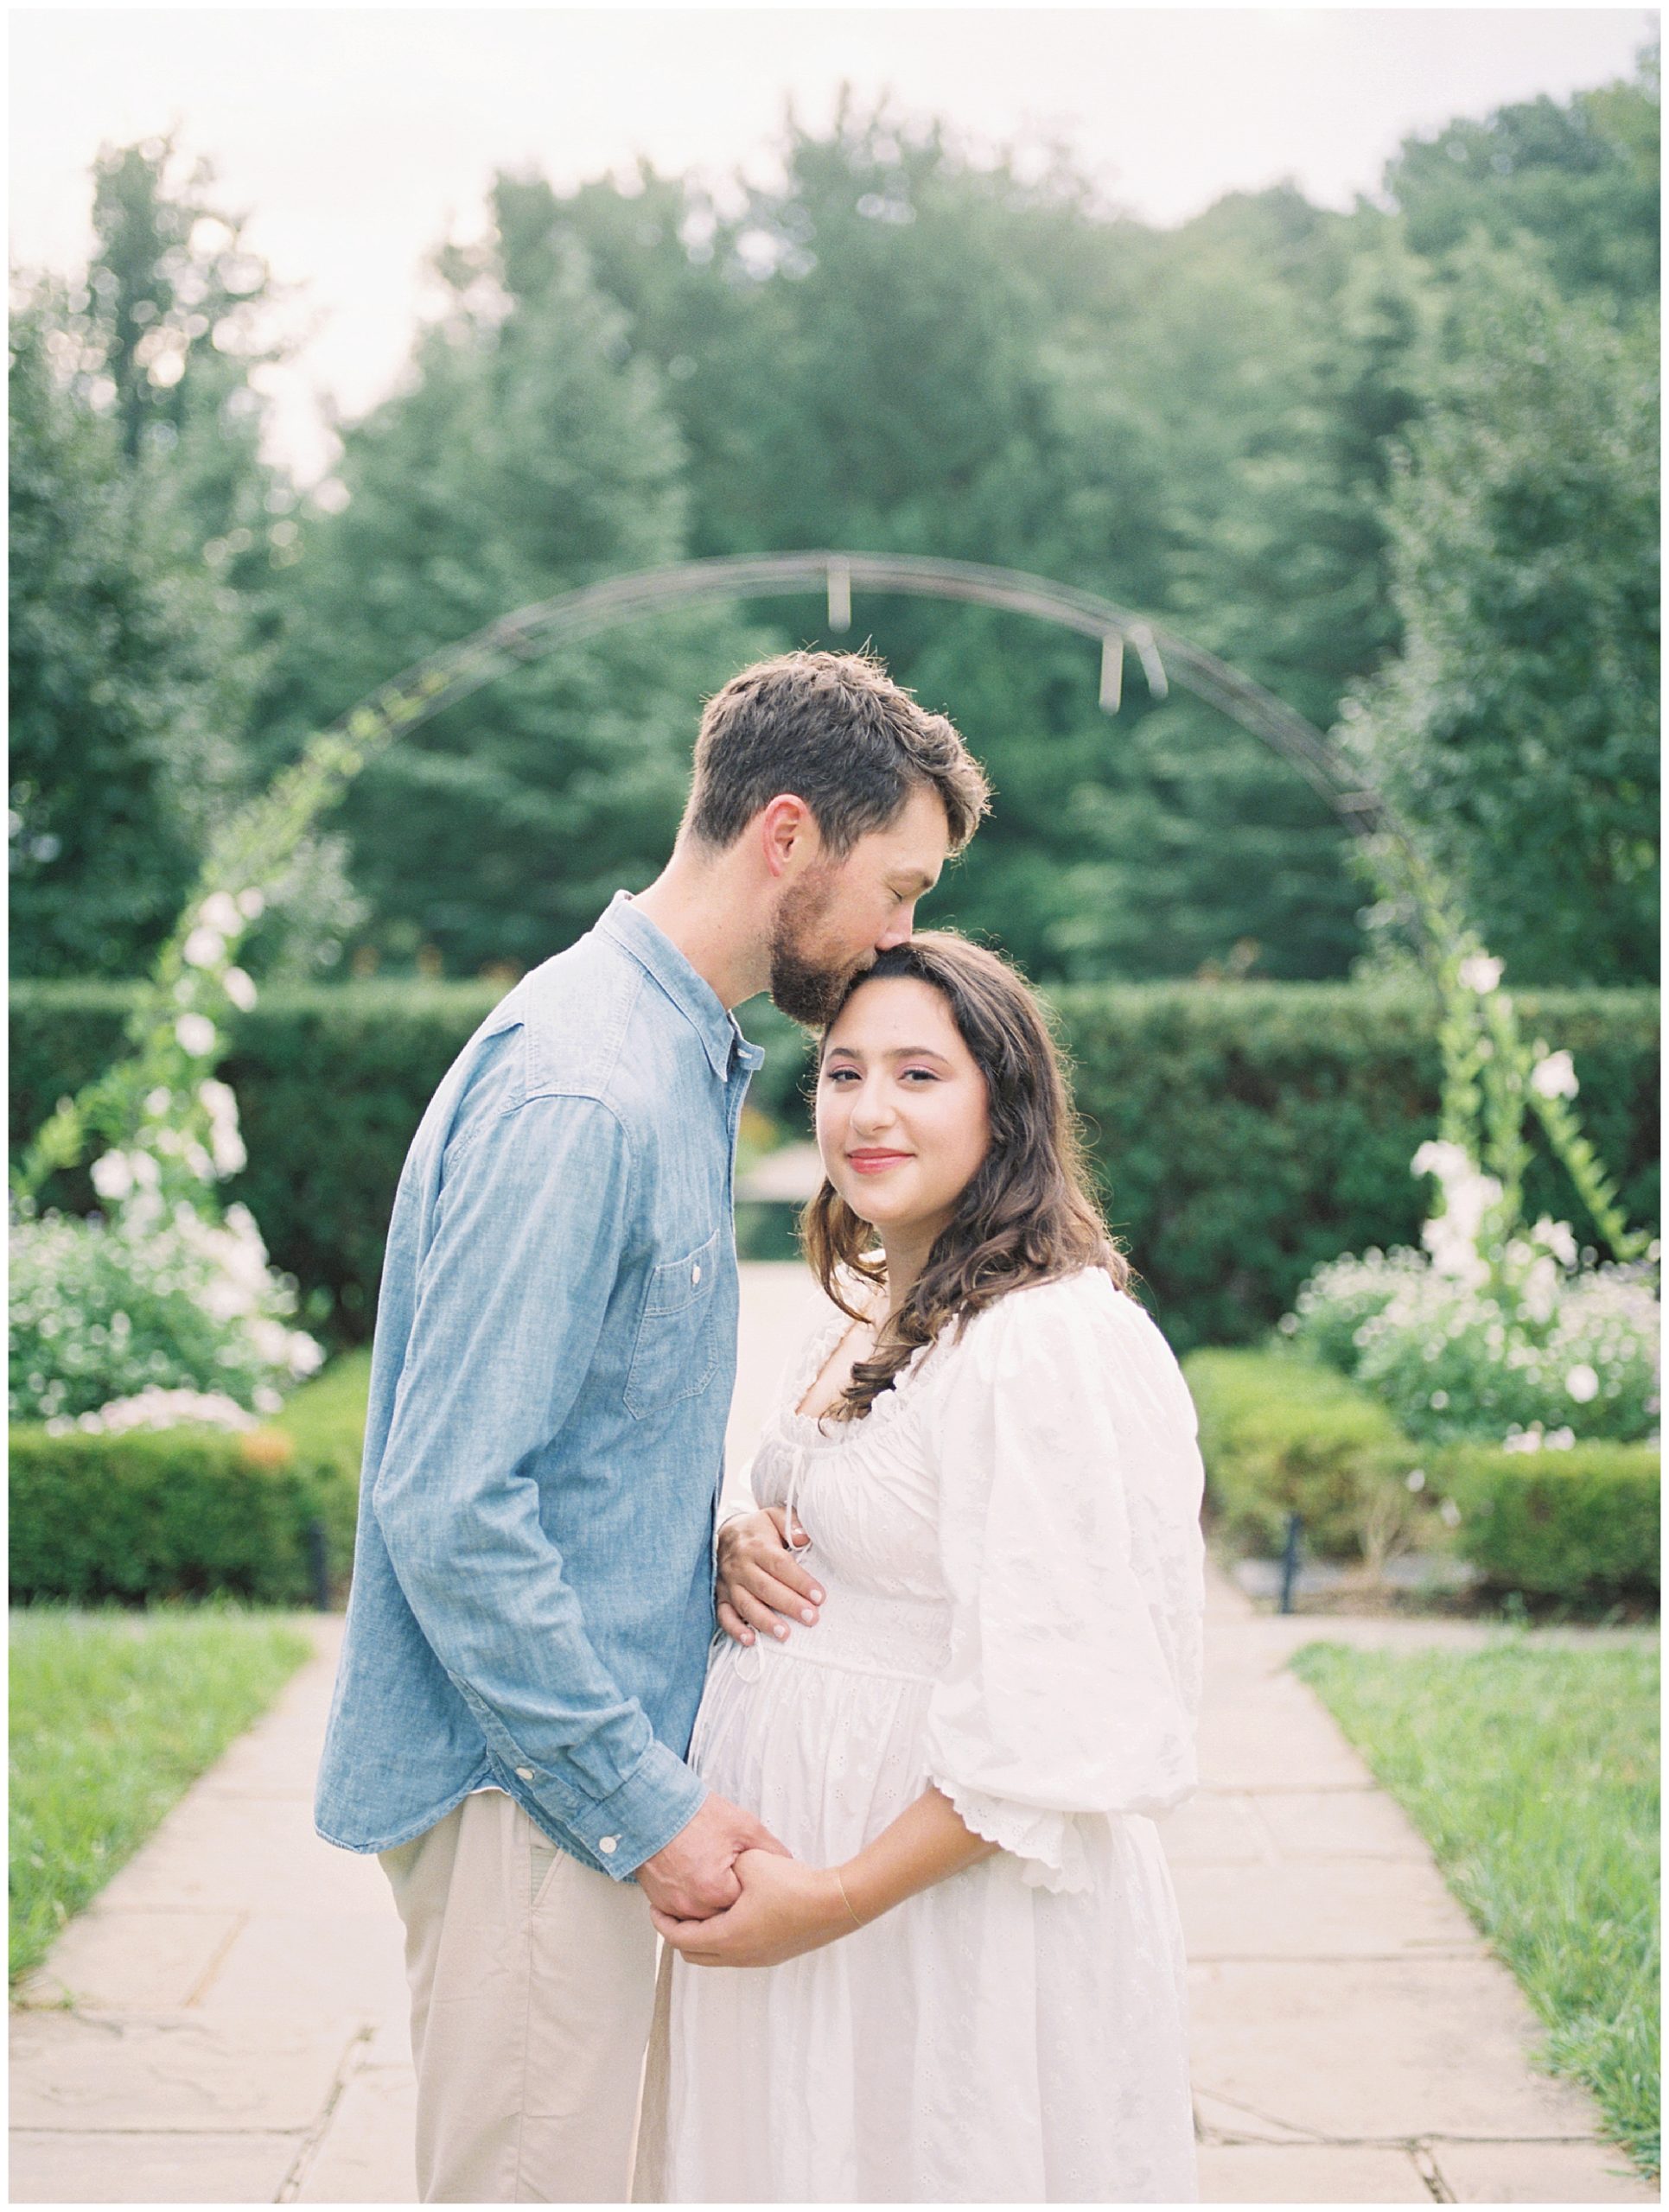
(760, 1587)
(784, 1908)
(694, 1875)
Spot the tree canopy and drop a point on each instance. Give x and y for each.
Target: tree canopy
(1316, 442)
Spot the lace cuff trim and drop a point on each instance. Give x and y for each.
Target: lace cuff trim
(1047, 1843)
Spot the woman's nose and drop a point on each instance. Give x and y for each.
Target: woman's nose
(871, 1110)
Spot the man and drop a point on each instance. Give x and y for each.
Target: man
(532, 1596)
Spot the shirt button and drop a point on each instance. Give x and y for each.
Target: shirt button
(608, 1845)
(695, 1272)
(524, 1774)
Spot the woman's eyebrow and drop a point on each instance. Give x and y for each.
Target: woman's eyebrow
(902, 1052)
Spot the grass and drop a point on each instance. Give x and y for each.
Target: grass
(112, 1714)
(332, 1404)
(1534, 1775)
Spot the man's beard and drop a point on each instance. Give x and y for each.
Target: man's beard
(807, 987)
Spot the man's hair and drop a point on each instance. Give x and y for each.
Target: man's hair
(834, 730)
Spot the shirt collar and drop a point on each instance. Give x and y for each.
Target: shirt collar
(692, 994)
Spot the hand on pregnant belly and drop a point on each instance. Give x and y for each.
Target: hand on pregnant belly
(760, 1585)
(785, 1908)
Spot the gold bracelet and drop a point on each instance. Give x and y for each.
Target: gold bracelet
(850, 1908)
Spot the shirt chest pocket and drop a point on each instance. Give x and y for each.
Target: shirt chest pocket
(677, 1347)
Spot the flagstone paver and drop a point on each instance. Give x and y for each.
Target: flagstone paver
(227, 2023)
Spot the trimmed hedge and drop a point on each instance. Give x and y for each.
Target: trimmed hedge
(1279, 1435)
(1243, 1133)
(1247, 1132)
(1577, 1523)
(179, 1512)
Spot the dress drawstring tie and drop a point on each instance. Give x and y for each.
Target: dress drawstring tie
(749, 1661)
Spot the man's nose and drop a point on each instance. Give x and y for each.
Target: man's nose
(898, 932)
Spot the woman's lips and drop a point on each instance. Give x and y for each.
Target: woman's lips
(874, 1163)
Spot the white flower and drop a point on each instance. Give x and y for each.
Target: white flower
(1526, 1440)
(196, 1034)
(306, 1357)
(220, 911)
(1479, 973)
(1583, 1383)
(1559, 1439)
(158, 1102)
(251, 905)
(1416, 1478)
(1448, 1162)
(1453, 1252)
(1449, 1513)
(203, 948)
(225, 1143)
(267, 1401)
(113, 1175)
(1555, 1237)
(271, 1340)
(1541, 1291)
(238, 989)
(1555, 1077)
(157, 1409)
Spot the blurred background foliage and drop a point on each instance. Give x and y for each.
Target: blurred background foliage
(1397, 463)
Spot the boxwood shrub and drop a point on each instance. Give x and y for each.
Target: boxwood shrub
(182, 1512)
(1280, 1435)
(1579, 1523)
(1242, 1133)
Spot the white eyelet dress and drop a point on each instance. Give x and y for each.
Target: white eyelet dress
(1009, 1550)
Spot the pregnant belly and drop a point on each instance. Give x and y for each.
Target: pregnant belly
(827, 1754)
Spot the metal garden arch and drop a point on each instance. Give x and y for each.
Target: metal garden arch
(452, 674)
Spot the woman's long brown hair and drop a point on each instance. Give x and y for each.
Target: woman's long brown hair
(1027, 1215)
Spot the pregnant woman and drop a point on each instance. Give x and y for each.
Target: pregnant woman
(960, 1669)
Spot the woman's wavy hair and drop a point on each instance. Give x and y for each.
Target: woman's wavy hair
(1027, 1215)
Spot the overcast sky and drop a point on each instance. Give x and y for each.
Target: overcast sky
(356, 138)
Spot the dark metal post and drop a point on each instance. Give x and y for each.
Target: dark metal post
(1289, 1561)
(319, 1560)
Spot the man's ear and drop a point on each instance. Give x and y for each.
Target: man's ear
(789, 840)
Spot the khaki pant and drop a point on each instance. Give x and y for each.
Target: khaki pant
(532, 1982)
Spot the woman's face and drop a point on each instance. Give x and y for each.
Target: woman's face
(901, 1119)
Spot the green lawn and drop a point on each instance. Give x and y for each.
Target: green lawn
(332, 1404)
(1533, 1775)
(112, 1714)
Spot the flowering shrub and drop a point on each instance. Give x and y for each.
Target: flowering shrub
(157, 1315)
(1451, 1358)
(1496, 1330)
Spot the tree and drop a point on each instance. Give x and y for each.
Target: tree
(529, 454)
(897, 347)
(1517, 730)
(1582, 180)
(127, 672)
(147, 535)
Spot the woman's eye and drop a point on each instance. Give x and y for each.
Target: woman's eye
(927, 1074)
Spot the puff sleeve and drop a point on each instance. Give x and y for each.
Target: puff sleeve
(1070, 1486)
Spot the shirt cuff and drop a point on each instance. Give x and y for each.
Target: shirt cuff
(660, 1797)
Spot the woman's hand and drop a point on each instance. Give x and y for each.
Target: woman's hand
(761, 1588)
(785, 1908)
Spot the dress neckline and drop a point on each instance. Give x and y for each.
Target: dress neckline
(807, 1429)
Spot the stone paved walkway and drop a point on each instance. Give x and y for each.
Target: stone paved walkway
(228, 2023)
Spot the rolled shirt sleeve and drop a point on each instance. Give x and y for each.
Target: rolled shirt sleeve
(1070, 1488)
(510, 1297)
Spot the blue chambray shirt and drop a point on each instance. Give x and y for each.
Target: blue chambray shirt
(533, 1595)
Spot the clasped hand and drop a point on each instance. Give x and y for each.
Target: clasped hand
(785, 1908)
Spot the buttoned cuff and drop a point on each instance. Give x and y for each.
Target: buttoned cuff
(660, 1797)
